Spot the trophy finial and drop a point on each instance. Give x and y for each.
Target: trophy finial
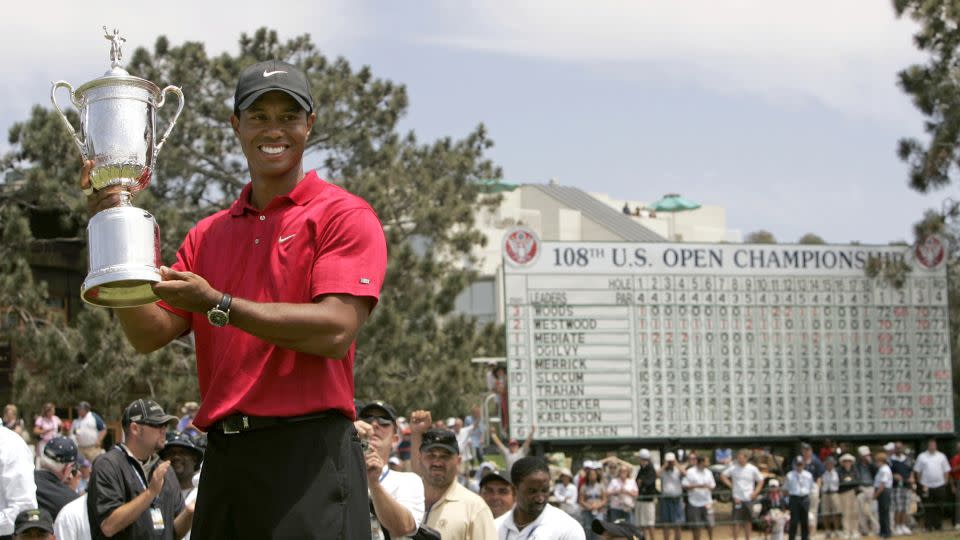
(116, 42)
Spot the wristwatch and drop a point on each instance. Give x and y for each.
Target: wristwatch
(219, 315)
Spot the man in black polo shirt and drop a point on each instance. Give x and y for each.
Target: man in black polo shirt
(132, 493)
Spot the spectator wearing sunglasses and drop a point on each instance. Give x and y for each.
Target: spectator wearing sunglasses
(396, 497)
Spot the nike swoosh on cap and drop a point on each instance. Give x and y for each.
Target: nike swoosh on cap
(269, 73)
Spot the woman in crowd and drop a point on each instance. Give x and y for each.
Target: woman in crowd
(593, 500)
(622, 492)
(46, 427)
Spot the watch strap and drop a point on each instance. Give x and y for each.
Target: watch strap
(224, 304)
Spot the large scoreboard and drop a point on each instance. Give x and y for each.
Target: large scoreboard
(626, 341)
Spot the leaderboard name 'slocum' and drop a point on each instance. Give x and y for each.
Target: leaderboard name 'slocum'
(661, 340)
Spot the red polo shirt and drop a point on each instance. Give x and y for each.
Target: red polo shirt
(318, 239)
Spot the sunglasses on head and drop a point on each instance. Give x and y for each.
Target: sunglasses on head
(384, 422)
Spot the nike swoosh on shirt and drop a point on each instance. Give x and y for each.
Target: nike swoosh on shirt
(269, 73)
(285, 238)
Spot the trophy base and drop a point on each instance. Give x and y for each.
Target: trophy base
(124, 249)
(120, 294)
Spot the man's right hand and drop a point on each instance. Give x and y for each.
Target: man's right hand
(420, 421)
(98, 199)
(156, 479)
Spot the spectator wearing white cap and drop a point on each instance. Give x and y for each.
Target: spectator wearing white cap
(647, 487)
(830, 497)
(774, 510)
(932, 472)
(671, 496)
(882, 485)
(799, 485)
(699, 483)
(866, 470)
(901, 465)
(565, 493)
(513, 450)
(849, 484)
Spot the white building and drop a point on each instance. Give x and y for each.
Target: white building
(559, 212)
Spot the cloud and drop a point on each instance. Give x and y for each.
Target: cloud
(843, 54)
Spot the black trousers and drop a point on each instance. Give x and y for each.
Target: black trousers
(298, 480)
(883, 513)
(799, 515)
(933, 507)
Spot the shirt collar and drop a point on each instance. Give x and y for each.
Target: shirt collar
(509, 522)
(306, 189)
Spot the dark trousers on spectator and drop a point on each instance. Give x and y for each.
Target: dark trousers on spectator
(799, 515)
(883, 513)
(933, 506)
(304, 480)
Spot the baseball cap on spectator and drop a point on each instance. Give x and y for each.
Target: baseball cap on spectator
(33, 519)
(643, 454)
(394, 460)
(493, 477)
(670, 456)
(176, 439)
(863, 450)
(513, 442)
(263, 77)
(147, 411)
(451, 422)
(847, 457)
(889, 447)
(61, 450)
(84, 405)
(189, 406)
(805, 446)
(798, 460)
(440, 438)
(616, 529)
(391, 413)
(775, 482)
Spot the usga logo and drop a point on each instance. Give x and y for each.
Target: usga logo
(521, 246)
(931, 252)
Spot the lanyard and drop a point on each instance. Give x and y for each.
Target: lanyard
(384, 475)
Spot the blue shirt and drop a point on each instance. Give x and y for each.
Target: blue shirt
(799, 485)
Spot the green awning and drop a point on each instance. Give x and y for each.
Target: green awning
(672, 202)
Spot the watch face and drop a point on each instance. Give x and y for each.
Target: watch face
(217, 317)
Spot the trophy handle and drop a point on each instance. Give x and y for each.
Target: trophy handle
(163, 97)
(81, 145)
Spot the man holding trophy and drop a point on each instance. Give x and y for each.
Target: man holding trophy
(275, 290)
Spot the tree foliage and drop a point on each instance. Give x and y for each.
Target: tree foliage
(413, 351)
(934, 88)
(760, 237)
(811, 239)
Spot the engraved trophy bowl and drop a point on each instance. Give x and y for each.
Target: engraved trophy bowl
(118, 117)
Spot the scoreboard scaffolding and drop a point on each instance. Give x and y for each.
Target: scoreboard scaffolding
(609, 341)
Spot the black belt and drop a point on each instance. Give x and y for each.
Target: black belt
(239, 423)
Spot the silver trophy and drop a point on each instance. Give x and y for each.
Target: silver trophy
(118, 117)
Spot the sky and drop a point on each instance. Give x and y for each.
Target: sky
(787, 114)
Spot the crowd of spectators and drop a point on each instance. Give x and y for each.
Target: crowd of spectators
(457, 478)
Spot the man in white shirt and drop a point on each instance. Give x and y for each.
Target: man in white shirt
(882, 487)
(745, 481)
(699, 484)
(72, 522)
(397, 497)
(88, 430)
(932, 471)
(799, 486)
(531, 517)
(18, 489)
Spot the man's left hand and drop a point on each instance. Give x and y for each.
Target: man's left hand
(186, 291)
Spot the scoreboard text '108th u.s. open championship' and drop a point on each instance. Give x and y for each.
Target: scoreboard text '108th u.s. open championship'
(615, 340)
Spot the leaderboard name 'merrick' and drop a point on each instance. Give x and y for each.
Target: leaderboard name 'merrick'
(275, 289)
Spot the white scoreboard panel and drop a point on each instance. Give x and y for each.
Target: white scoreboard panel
(659, 340)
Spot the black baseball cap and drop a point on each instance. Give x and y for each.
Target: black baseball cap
(177, 439)
(440, 438)
(33, 519)
(263, 77)
(146, 411)
(382, 405)
(493, 477)
(61, 450)
(616, 528)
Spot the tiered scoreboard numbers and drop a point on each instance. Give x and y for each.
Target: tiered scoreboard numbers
(628, 341)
